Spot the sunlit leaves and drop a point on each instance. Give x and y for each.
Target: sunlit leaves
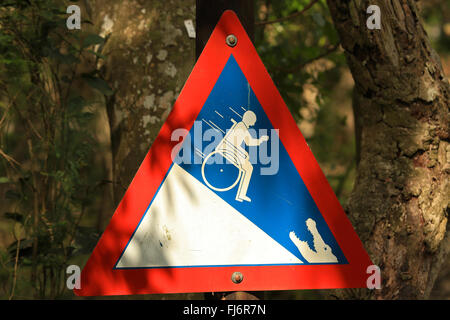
(287, 46)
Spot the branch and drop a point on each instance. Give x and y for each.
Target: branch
(8, 158)
(330, 50)
(295, 14)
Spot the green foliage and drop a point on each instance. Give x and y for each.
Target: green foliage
(286, 47)
(44, 125)
(437, 24)
(47, 91)
(302, 51)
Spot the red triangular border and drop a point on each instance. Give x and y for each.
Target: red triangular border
(99, 276)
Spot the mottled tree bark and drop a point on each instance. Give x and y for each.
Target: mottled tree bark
(149, 57)
(400, 201)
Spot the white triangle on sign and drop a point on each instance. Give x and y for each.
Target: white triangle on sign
(187, 224)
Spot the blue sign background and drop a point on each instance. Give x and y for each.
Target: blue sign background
(280, 203)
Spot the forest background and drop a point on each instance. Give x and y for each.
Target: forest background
(79, 110)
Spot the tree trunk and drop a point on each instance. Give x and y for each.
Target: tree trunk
(149, 57)
(400, 201)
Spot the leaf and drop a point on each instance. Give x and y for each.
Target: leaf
(99, 84)
(92, 39)
(14, 216)
(97, 54)
(4, 180)
(11, 194)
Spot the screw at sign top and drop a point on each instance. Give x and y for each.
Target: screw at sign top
(231, 40)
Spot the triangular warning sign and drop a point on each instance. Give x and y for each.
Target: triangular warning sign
(229, 187)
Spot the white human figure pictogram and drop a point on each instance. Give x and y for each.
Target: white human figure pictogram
(230, 147)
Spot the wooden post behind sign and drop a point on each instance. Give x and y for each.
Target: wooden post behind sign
(208, 14)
